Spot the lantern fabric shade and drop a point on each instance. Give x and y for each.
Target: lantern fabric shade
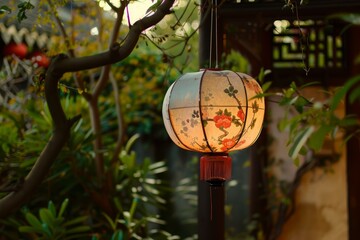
(214, 111)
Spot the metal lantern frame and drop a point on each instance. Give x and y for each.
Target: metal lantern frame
(214, 112)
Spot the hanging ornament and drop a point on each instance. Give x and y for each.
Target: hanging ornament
(39, 59)
(18, 49)
(214, 112)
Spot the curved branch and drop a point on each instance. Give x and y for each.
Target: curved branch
(14, 200)
(62, 125)
(117, 53)
(104, 76)
(120, 121)
(93, 103)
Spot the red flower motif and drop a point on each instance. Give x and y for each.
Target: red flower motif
(240, 143)
(241, 115)
(227, 144)
(222, 121)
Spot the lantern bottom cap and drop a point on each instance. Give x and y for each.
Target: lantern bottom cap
(215, 169)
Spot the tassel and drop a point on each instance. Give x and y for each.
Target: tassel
(215, 168)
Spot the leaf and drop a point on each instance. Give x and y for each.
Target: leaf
(300, 140)
(4, 9)
(354, 95)
(340, 94)
(63, 207)
(46, 216)
(131, 142)
(33, 221)
(317, 138)
(28, 229)
(266, 86)
(110, 221)
(23, 7)
(261, 75)
(133, 208)
(118, 235)
(51, 208)
(155, 220)
(353, 18)
(153, 7)
(300, 104)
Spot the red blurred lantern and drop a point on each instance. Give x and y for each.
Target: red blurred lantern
(39, 59)
(18, 49)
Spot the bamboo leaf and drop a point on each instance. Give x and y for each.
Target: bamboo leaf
(4, 9)
(131, 142)
(153, 7)
(266, 86)
(33, 220)
(133, 208)
(300, 140)
(340, 94)
(63, 207)
(354, 95)
(110, 221)
(29, 229)
(46, 216)
(51, 208)
(317, 138)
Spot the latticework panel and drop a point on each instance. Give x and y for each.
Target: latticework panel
(310, 44)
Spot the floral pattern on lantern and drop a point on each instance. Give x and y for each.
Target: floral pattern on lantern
(214, 111)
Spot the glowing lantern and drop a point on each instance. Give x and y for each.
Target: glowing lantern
(214, 112)
(18, 49)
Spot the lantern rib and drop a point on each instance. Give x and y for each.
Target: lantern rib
(246, 110)
(200, 111)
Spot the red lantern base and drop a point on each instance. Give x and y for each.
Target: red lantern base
(215, 168)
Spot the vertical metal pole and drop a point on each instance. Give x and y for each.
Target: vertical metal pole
(211, 212)
(204, 34)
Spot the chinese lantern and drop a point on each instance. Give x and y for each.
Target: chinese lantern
(18, 49)
(39, 59)
(214, 112)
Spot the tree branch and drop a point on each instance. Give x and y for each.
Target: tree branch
(60, 65)
(120, 121)
(93, 103)
(62, 126)
(117, 53)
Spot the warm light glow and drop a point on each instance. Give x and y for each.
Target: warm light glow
(214, 111)
(137, 9)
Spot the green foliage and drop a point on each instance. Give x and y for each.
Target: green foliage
(153, 7)
(314, 121)
(51, 224)
(352, 18)
(4, 9)
(142, 78)
(137, 191)
(236, 62)
(23, 8)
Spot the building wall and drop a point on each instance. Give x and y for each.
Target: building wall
(321, 198)
(321, 206)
